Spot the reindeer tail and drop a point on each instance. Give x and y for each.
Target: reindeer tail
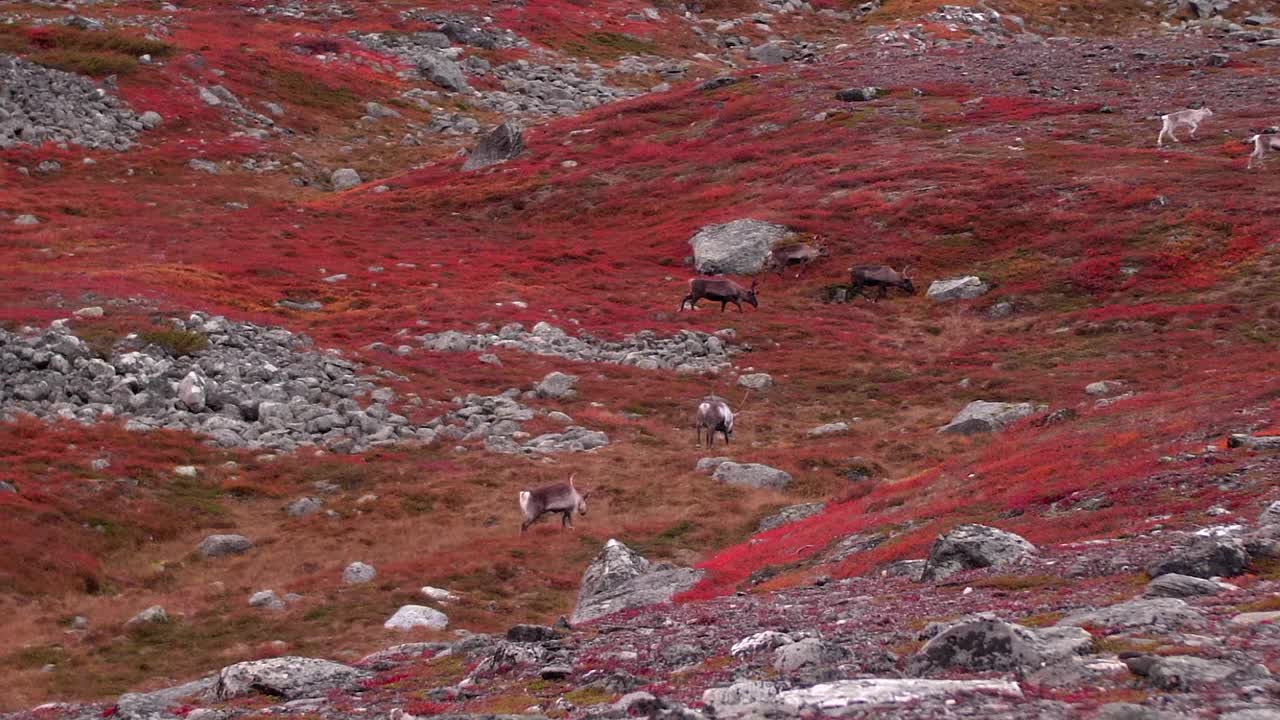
(524, 502)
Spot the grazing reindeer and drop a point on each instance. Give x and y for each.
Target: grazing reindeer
(881, 276)
(719, 289)
(714, 415)
(801, 254)
(1262, 142)
(561, 498)
(1173, 121)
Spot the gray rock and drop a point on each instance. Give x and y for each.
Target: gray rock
(620, 578)
(835, 699)
(7, 487)
(772, 53)
(708, 465)
(738, 247)
(790, 514)
(358, 573)
(345, 179)
(755, 381)
(266, 599)
(193, 391)
(973, 546)
(989, 644)
(1166, 613)
(985, 416)
(747, 692)
(557, 386)
(858, 94)
(1103, 388)
(443, 72)
(962, 288)
(502, 144)
(761, 641)
(151, 119)
(44, 105)
(409, 617)
(806, 655)
(1181, 672)
(1271, 515)
(1205, 557)
(1174, 585)
(151, 616)
(26, 220)
(1251, 442)
(753, 475)
(1130, 711)
(222, 545)
(288, 678)
(531, 633)
(835, 428)
(716, 83)
(303, 507)
(161, 703)
(912, 569)
(204, 166)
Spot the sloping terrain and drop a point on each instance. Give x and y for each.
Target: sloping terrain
(1017, 146)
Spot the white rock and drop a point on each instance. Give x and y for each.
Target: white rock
(410, 617)
(88, 312)
(358, 573)
(185, 470)
(962, 288)
(437, 594)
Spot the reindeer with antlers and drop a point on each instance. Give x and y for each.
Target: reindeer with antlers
(801, 254)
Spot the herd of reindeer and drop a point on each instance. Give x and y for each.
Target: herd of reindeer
(714, 414)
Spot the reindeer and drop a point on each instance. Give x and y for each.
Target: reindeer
(719, 289)
(801, 254)
(561, 498)
(1262, 142)
(1175, 120)
(881, 276)
(714, 415)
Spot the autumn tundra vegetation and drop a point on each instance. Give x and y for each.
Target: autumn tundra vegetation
(1120, 327)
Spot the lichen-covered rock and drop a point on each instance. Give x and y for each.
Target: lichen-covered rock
(739, 247)
(1166, 613)
(984, 416)
(973, 546)
(988, 644)
(409, 617)
(289, 678)
(502, 144)
(753, 475)
(222, 545)
(621, 578)
(1205, 557)
(961, 288)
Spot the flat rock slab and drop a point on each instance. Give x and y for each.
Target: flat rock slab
(982, 416)
(849, 696)
(1169, 613)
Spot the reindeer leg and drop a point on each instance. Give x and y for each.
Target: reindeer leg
(723, 304)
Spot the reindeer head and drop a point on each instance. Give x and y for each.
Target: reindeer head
(906, 284)
(581, 507)
(750, 296)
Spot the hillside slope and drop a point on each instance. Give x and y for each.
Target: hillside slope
(1016, 146)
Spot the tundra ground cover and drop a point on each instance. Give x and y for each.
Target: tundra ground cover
(1119, 260)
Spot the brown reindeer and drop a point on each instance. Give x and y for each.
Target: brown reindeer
(715, 416)
(719, 290)
(801, 254)
(879, 276)
(561, 498)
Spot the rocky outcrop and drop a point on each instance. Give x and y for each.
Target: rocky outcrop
(735, 248)
(686, 351)
(40, 104)
(241, 385)
(502, 144)
(752, 475)
(982, 416)
(289, 678)
(973, 546)
(621, 578)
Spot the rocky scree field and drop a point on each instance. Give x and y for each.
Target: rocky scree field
(276, 365)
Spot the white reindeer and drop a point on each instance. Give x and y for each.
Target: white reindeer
(1262, 142)
(1189, 118)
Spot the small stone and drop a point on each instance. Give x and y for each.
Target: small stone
(344, 179)
(358, 573)
(26, 220)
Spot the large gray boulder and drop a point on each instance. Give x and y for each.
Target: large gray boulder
(1185, 672)
(1175, 585)
(502, 144)
(982, 416)
(807, 655)
(443, 72)
(735, 248)
(344, 179)
(223, 545)
(967, 547)
(621, 578)
(289, 678)
(753, 475)
(1205, 557)
(987, 644)
(1164, 613)
(961, 288)
(358, 573)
